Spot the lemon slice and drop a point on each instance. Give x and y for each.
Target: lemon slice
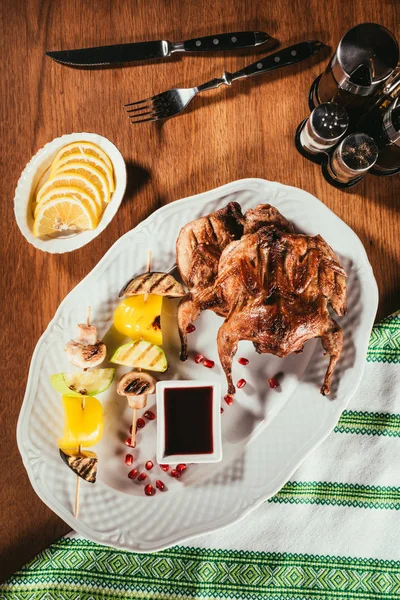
(70, 181)
(91, 173)
(98, 163)
(83, 149)
(71, 192)
(63, 214)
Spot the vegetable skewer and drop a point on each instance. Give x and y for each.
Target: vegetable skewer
(141, 400)
(85, 351)
(78, 479)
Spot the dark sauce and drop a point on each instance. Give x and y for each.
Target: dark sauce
(188, 420)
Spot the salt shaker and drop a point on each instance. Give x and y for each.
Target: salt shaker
(323, 128)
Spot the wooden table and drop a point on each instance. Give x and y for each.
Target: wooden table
(243, 131)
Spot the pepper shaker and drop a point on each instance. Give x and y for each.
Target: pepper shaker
(350, 160)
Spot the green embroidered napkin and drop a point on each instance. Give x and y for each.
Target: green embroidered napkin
(332, 532)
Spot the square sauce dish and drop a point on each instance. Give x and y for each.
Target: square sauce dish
(189, 422)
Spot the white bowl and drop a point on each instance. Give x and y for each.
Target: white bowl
(172, 459)
(34, 172)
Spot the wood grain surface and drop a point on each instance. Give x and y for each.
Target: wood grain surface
(243, 131)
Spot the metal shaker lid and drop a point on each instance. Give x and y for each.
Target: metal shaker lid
(365, 57)
(329, 121)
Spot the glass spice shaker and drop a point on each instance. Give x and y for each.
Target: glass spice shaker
(384, 127)
(365, 58)
(389, 93)
(352, 158)
(323, 128)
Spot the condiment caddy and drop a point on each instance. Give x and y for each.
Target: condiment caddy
(354, 126)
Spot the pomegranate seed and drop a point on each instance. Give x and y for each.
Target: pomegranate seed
(243, 361)
(149, 415)
(198, 359)
(128, 459)
(180, 468)
(128, 442)
(228, 399)
(221, 410)
(149, 490)
(241, 383)
(132, 474)
(175, 473)
(273, 383)
(140, 423)
(165, 467)
(208, 363)
(160, 485)
(142, 477)
(149, 465)
(190, 328)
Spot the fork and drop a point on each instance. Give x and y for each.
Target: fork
(172, 102)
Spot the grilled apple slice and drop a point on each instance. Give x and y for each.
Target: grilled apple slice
(86, 383)
(142, 355)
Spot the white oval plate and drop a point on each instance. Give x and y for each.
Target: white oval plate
(32, 175)
(266, 433)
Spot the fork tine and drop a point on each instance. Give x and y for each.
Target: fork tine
(139, 101)
(141, 107)
(156, 118)
(152, 112)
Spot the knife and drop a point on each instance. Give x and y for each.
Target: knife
(121, 53)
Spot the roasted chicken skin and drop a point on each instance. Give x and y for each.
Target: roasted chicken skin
(271, 285)
(198, 249)
(276, 287)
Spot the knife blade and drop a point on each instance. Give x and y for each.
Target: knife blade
(138, 51)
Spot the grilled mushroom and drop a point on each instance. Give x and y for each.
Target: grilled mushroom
(83, 464)
(161, 284)
(86, 351)
(136, 384)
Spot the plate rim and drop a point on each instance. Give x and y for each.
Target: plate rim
(98, 537)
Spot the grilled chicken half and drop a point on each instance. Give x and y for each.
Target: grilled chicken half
(198, 250)
(276, 287)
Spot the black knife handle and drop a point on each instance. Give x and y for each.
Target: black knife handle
(282, 58)
(225, 41)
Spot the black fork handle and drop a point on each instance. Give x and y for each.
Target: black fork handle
(282, 58)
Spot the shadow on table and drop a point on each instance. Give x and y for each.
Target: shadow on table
(136, 178)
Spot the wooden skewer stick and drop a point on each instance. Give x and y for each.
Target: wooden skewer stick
(133, 434)
(78, 479)
(134, 411)
(149, 255)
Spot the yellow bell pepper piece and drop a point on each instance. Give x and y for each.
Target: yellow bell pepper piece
(82, 426)
(138, 319)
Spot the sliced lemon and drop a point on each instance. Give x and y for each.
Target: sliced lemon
(64, 180)
(87, 170)
(63, 214)
(71, 192)
(98, 163)
(83, 148)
